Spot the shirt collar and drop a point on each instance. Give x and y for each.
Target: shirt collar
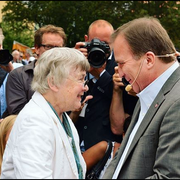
(148, 95)
(110, 56)
(30, 66)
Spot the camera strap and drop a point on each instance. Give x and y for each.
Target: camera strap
(2, 76)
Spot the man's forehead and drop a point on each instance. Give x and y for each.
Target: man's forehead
(102, 36)
(50, 37)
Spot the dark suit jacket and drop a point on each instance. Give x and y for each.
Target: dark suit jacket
(110, 64)
(95, 126)
(18, 88)
(155, 150)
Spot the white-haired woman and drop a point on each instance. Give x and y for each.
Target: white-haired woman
(44, 142)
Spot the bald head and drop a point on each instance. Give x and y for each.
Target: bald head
(100, 29)
(16, 55)
(100, 24)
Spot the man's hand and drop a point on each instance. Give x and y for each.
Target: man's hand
(74, 115)
(79, 47)
(83, 103)
(117, 80)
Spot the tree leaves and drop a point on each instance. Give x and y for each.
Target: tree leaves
(76, 16)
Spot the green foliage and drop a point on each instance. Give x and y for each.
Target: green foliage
(25, 36)
(76, 16)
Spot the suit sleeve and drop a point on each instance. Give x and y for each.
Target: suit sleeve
(15, 93)
(167, 155)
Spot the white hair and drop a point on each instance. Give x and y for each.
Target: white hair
(57, 64)
(15, 52)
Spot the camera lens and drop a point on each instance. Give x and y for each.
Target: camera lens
(96, 57)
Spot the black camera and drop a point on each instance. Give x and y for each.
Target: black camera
(5, 57)
(98, 52)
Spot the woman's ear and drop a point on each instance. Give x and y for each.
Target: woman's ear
(52, 85)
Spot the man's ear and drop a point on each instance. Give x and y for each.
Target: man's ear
(86, 38)
(37, 50)
(150, 59)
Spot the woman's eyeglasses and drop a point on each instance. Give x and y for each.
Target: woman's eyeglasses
(84, 83)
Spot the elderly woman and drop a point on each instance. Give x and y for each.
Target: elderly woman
(44, 142)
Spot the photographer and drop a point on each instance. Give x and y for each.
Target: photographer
(92, 122)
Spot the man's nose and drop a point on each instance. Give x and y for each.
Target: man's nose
(120, 71)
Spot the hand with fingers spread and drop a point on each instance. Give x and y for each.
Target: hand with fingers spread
(74, 115)
(83, 103)
(86, 99)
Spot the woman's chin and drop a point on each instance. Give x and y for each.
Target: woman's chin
(77, 106)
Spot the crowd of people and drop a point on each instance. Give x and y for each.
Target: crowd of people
(60, 111)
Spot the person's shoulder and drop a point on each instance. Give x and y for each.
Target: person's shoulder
(17, 70)
(16, 73)
(22, 69)
(17, 65)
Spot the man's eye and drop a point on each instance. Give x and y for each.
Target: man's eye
(49, 46)
(120, 63)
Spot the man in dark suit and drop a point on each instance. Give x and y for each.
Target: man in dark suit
(18, 91)
(146, 57)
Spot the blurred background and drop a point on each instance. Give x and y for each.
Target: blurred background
(20, 19)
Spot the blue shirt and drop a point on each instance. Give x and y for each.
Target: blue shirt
(3, 104)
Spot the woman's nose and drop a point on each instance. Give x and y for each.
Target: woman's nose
(86, 87)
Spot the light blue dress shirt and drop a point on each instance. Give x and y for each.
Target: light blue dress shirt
(3, 104)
